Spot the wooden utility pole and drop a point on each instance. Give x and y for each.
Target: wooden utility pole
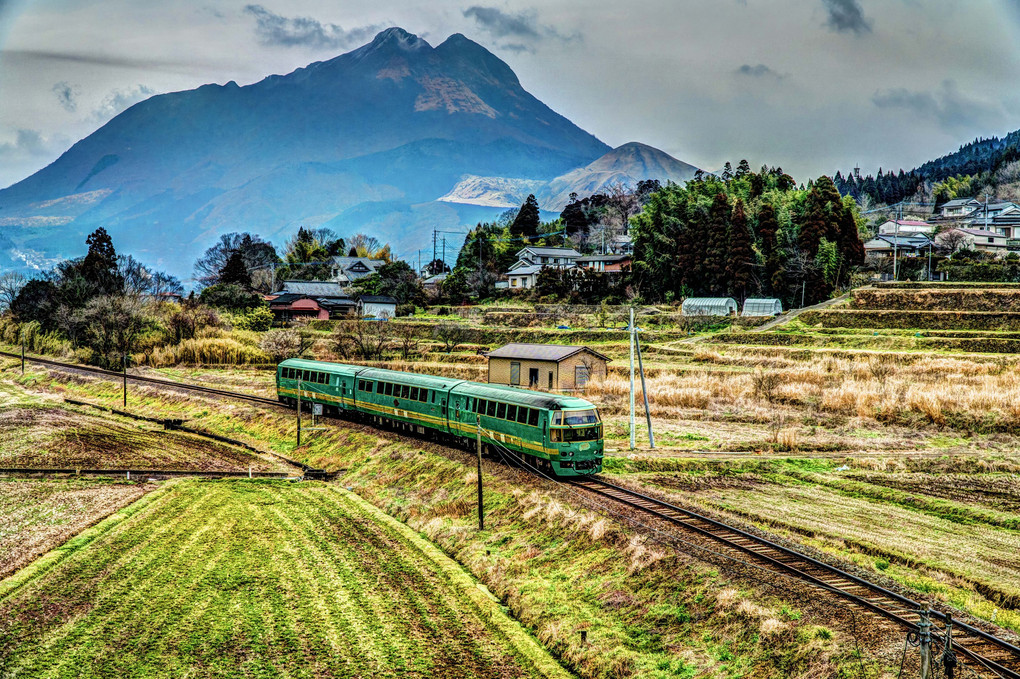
(299, 413)
(125, 379)
(644, 391)
(481, 511)
(22, 352)
(948, 656)
(632, 435)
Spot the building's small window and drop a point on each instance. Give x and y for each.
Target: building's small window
(501, 411)
(991, 239)
(582, 374)
(550, 380)
(515, 373)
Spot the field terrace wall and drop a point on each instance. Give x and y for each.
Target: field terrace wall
(955, 299)
(922, 320)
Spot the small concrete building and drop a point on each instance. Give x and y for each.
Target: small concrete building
(377, 306)
(545, 366)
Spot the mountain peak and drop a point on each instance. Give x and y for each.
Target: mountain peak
(398, 38)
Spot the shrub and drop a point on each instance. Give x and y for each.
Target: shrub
(257, 319)
(208, 351)
(230, 296)
(281, 344)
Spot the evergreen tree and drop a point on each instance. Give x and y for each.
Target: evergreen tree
(740, 263)
(768, 226)
(525, 225)
(99, 269)
(718, 245)
(743, 169)
(235, 271)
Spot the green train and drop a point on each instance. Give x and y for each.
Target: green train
(561, 435)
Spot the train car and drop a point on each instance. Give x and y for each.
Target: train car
(561, 435)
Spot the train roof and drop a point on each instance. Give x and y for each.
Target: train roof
(496, 392)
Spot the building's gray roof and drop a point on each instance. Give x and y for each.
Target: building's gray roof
(551, 252)
(525, 270)
(902, 240)
(982, 232)
(313, 288)
(540, 352)
(957, 202)
(438, 278)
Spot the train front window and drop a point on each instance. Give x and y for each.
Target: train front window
(593, 433)
(576, 417)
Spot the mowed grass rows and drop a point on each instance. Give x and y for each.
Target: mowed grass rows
(249, 578)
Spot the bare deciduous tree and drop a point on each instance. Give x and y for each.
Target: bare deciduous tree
(110, 325)
(281, 344)
(360, 339)
(407, 338)
(11, 284)
(450, 334)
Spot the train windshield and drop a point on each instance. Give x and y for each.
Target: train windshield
(578, 417)
(593, 433)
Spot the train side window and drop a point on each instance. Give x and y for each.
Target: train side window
(522, 415)
(554, 434)
(490, 408)
(424, 395)
(501, 411)
(414, 393)
(533, 417)
(387, 389)
(511, 413)
(433, 397)
(405, 391)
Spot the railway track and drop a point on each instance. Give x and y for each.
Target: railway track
(979, 649)
(148, 380)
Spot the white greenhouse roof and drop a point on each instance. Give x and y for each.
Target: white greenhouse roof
(762, 307)
(708, 306)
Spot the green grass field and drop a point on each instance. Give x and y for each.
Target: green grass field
(262, 579)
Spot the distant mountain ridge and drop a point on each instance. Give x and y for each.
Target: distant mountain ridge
(367, 141)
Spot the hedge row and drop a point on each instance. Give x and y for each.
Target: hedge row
(936, 320)
(943, 285)
(955, 299)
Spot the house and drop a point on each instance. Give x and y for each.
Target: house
(434, 282)
(288, 306)
(377, 306)
(959, 207)
(530, 260)
(904, 227)
(975, 239)
(909, 245)
(545, 366)
(346, 270)
(709, 306)
(983, 215)
(605, 263)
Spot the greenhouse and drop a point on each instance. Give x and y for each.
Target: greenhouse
(762, 307)
(709, 306)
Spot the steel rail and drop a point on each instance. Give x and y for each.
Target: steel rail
(149, 380)
(828, 579)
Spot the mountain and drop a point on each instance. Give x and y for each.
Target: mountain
(367, 141)
(623, 166)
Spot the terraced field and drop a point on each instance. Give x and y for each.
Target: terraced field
(249, 578)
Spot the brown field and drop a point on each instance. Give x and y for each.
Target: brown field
(37, 515)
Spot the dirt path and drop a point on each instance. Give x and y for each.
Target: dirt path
(789, 316)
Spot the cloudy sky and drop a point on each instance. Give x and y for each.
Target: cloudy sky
(811, 85)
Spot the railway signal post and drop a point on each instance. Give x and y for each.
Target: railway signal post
(481, 511)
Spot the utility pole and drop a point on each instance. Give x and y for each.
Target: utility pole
(125, 378)
(924, 634)
(433, 245)
(299, 413)
(949, 661)
(22, 352)
(644, 391)
(632, 435)
(481, 510)
(444, 252)
(895, 243)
